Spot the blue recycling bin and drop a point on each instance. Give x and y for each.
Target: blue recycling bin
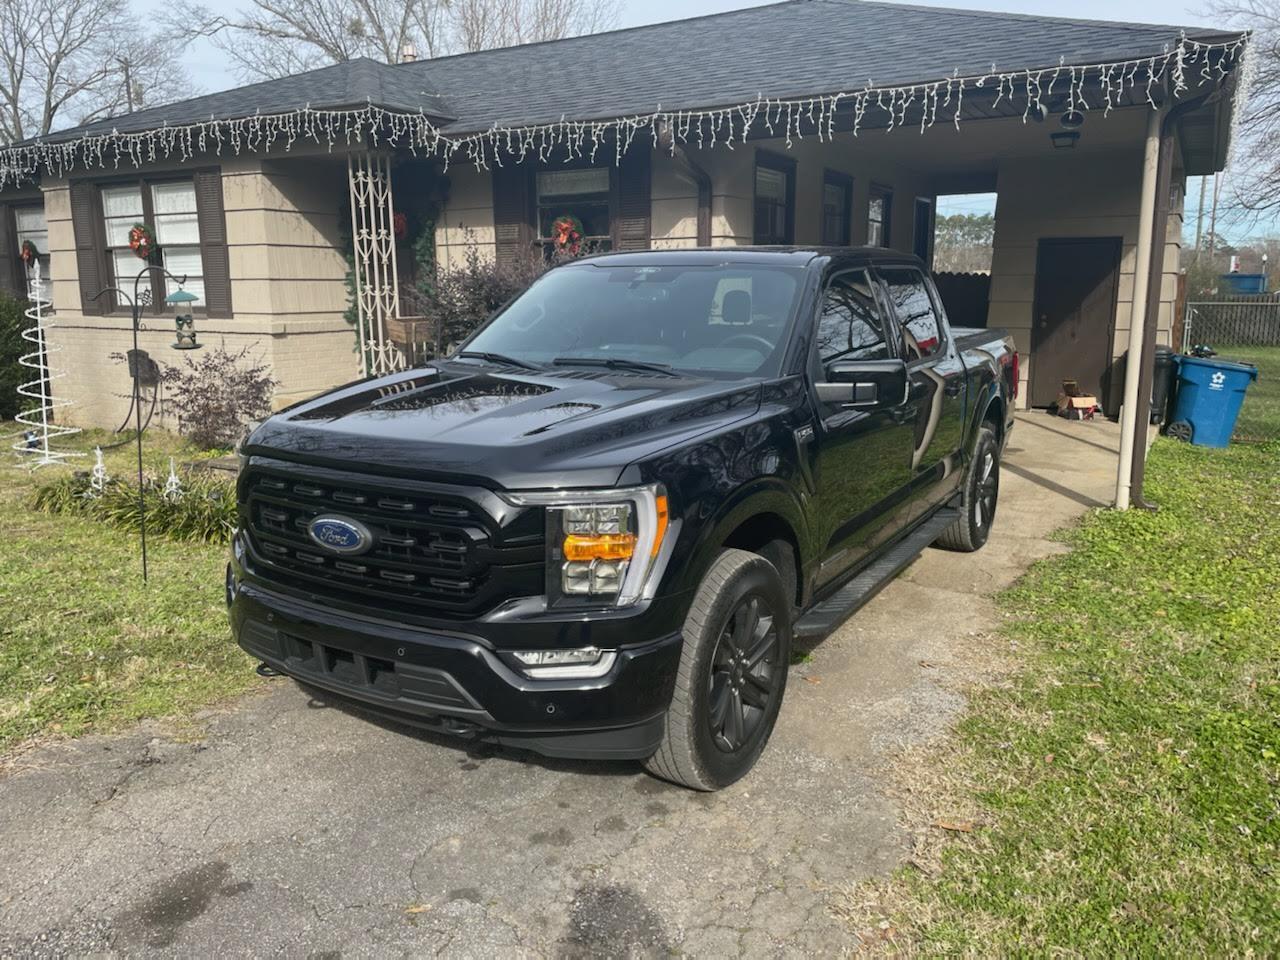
(1210, 392)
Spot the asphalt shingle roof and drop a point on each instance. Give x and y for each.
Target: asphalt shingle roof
(788, 49)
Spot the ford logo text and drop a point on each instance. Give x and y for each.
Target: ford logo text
(340, 534)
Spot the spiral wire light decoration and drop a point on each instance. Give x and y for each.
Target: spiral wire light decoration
(39, 419)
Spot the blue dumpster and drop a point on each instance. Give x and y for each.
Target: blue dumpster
(1210, 392)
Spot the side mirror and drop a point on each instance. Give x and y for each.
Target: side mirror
(864, 384)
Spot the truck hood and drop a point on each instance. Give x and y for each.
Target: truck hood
(509, 429)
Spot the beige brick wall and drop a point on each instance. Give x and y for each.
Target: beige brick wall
(287, 290)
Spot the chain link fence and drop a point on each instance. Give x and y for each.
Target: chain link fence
(1246, 329)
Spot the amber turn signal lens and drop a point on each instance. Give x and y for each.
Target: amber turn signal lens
(661, 503)
(608, 546)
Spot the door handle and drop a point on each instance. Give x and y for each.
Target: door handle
(953, 387)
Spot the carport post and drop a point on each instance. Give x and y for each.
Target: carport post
(1141, 279)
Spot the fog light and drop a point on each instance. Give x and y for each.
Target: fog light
(576, 663)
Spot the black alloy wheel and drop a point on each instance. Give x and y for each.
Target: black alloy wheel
(744, 674)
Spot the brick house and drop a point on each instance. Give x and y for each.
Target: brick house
(807, 122)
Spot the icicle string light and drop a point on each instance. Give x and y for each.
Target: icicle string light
(1103, 85)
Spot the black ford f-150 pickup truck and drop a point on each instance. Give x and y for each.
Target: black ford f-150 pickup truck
(596, 529)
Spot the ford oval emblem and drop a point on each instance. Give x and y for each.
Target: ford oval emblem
(340, 534)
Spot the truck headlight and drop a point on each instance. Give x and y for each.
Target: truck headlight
(602, 545)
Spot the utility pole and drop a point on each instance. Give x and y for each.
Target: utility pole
(1200, 221)
(128, 83)
(1213, 217)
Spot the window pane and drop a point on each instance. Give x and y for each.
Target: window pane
(178, 197)
(193, 285)
(850, 326)
(184, 262)
(30, 219)
(560, 183)
(177, 228)
(118, 230)
(771, 184)
(122, 202)
(124, 267)
(914, 308)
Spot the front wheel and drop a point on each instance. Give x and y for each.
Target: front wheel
(733, 671)
(979, 498)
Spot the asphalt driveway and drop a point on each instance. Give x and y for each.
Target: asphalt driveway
(295, 826)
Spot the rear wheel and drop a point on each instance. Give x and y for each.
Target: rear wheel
(1180, 430)
(733, 671)
(979, 498)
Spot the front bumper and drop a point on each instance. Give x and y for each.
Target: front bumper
(456, 683)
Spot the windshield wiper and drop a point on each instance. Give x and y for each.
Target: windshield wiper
(615, 363)
(497, 358)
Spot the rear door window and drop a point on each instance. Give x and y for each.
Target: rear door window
(914, 308)
(850, 326)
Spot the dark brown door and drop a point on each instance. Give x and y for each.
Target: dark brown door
(1075, 309)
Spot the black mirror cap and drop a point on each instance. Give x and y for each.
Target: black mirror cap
(865, 384)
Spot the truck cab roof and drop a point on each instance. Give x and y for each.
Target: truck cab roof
(794, 256)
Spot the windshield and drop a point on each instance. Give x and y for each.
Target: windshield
(725, 321)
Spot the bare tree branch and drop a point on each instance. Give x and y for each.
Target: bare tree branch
(1253, 181)
(66, 60)
(266, 39)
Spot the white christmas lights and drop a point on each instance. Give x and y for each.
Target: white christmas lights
(1082, 87)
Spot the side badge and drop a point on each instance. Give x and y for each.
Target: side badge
(804, 434)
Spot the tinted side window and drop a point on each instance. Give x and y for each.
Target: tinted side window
(850, 326)
(921, 332)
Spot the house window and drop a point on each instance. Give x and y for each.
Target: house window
(775, 200)
(29, 225)
(169, 209)
(582, 193)
(879, 212)
(837, 208)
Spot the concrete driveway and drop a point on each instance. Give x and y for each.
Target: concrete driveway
(297, 827)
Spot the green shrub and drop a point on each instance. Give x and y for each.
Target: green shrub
(206, 511)
(12, 346)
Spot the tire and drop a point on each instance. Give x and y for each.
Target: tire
(1180, 430)
(715, 733)
(979, 500)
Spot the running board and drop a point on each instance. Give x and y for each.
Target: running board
(821, 619)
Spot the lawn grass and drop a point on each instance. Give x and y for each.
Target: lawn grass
(84, 646)
(1260, 413)
(1125, 779)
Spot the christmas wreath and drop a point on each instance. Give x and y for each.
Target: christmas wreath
(29, 253)
(142, 241)
(566, 233)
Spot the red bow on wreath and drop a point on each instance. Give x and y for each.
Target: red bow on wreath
(142, 241)
(29, 252)
(566, 234)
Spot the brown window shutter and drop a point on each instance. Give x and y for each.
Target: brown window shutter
(632, 222)
(12, 279)
(85, 224)
(512, 221)
(213, 242)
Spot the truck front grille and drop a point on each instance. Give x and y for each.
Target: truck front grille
(433, 554)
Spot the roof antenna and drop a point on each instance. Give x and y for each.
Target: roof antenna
(408, 52)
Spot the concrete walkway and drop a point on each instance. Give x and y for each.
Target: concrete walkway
(298, 828)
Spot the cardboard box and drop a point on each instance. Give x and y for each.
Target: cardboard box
(1080, 407)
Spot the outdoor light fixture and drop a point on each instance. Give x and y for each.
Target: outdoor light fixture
(184, 323)
(1072, 119)
(1064, 139)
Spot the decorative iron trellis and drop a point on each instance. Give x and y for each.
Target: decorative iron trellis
(39, 419)
(374, 256)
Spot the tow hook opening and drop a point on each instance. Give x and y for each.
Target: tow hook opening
(266, 670)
